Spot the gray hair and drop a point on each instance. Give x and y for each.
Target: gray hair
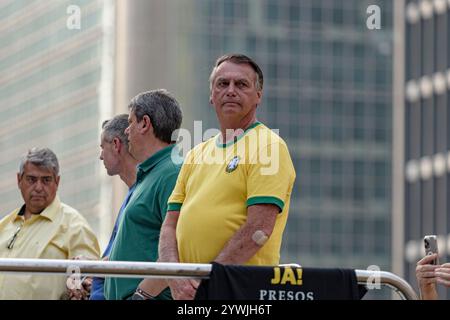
(238, 58)
(115, 128)
(41, 157)
(162, 109)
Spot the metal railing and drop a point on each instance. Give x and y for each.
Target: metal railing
(399, 285)
(129, 269)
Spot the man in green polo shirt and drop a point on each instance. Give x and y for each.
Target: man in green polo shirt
(154, 116)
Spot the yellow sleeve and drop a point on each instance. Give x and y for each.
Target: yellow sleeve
(271, 176)
(178, 195)
(82, 240)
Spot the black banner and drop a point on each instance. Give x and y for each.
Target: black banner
(230, 282)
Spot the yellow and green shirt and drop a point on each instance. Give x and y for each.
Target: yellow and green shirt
(217, 183)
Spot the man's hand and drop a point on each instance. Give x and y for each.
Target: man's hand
(425, 272)
(183, 289)
(82, 257)
(426, 277)
(81, 293)
(442, 274)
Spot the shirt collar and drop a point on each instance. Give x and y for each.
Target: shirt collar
(49, 213)
(151, 162)
(236, 138)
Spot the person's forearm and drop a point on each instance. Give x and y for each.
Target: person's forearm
(168, 248)
(240, 248)
(251, 236)
(428, 292)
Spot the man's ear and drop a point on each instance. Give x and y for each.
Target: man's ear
(259, 94)
(57, 180)
(18, 179)
(117, 144)
(146, 124)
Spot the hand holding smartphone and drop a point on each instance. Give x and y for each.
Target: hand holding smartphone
(431, 247)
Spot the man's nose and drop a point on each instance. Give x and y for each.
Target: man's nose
(231, 89)
(38, 186)
(127, 130)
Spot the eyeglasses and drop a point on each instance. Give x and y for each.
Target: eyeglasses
(14, 237)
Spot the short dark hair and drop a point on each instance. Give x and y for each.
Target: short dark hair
(238, 58)
(115, 128)
(162, 109)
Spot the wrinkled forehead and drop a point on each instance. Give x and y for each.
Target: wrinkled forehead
(229, 70)
(30, 169)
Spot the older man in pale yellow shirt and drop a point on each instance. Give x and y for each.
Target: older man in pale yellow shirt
(43, 228)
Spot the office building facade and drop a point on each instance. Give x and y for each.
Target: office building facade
(426, 130)
(55, 90)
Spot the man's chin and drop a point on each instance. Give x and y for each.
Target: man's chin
(37, 208)
(230, 110)
(37, 198)
(231, 105)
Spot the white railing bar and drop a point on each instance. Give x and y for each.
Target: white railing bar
(126, 269)
(108, 268)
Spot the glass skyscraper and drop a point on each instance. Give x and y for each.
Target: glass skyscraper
(426, 115)
(54, 76)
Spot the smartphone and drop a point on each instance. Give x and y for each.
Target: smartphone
(431, 247)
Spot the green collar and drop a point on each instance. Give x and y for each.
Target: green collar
(151, 162)
(237, 138)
